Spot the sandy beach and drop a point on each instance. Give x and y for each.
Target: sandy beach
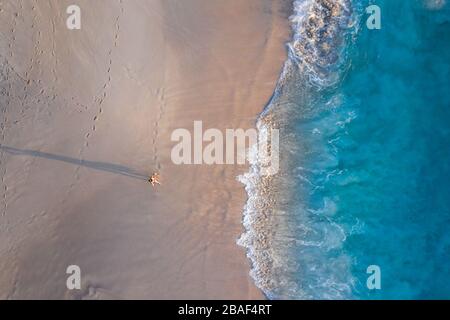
(87, 115)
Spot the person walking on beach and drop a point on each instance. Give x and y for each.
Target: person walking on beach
(154, 179)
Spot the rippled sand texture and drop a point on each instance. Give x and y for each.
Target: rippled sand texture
(86, 116)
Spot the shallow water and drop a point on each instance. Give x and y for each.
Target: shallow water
(365, 158)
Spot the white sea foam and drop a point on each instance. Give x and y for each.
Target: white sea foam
(315, 52)
(256, 237)
(319, 33)
(435, 4)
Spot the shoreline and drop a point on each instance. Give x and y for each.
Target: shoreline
(113, 100)
(276, 232)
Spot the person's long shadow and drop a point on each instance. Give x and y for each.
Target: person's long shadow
(102, 166)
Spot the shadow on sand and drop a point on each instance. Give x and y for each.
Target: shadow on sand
(101, 166)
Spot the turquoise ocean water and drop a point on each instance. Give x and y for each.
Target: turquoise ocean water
(364, 120)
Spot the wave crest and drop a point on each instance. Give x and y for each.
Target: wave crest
(316, 54)
(320, 29)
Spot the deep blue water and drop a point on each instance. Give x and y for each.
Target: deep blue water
(365, 163)
(398, 150)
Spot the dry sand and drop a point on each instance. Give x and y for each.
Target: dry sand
(111, 94)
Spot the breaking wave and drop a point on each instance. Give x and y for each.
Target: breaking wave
(316, 61)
